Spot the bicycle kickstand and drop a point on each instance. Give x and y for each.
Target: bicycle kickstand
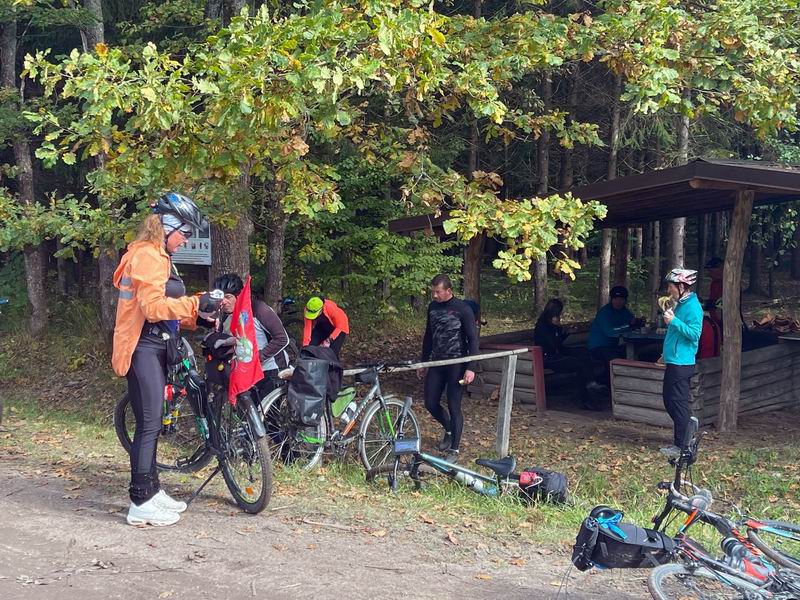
(196, 493)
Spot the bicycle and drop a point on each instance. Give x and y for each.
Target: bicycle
(293, 323)
(199, 424)
(303, 447)
(410, 461)
(3, 301)
(744, 572)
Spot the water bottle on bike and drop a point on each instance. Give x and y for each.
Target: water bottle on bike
(469, 481)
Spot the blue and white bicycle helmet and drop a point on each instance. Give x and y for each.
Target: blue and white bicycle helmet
(182, 207)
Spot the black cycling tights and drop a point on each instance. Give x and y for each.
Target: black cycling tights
(146, 380)
(437, 381)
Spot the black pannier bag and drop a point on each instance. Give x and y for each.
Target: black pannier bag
(218, 349)
(605, 542)
(308, 389)
(553, 486)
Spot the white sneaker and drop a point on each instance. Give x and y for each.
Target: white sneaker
(151, 513)
(163, 500)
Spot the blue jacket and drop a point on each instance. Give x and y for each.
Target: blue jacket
(608, 324)
(683, 333)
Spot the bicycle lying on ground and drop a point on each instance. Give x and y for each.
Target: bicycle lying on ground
(409, 461)
(303, 447)
(747, 569)
(199, 424)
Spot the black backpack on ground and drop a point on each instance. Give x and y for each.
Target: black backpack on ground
(552, 488)
(604, 541)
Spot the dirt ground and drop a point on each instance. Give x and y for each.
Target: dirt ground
(63, 535)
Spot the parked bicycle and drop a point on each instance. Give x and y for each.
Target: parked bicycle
(292, 319)
(3, 301)
(372, 434)
(199, 424)
(746, 570)
(411, 462)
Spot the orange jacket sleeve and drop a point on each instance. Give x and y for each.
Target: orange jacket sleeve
(306, 331)
(148, 277)
(337, 317)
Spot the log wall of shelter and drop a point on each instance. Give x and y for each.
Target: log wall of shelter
(770, 381)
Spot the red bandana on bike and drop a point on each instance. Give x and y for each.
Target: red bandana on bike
(246, 366)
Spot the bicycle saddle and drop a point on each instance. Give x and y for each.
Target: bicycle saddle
(502, 467)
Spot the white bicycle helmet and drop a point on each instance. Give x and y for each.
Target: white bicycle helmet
(685, 276)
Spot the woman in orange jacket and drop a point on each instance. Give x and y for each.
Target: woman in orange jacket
(152, 306)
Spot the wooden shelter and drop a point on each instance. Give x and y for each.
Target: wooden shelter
(699, 187)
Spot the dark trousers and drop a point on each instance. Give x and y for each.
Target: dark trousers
(676, 399)
(446, 379)
(267, 385)
(566, 363)
(605, 356)
(319, 334)
(146, 380)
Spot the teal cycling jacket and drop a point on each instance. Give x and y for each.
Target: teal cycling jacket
(683, 333)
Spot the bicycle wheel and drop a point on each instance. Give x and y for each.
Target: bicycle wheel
(245, 461)
(183, 448)
(677, 582)
(292, 445)
(779, 541)
(379, 429)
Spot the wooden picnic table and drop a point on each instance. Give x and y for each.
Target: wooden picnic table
(635, 339)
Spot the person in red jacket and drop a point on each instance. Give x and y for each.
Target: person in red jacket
(325, 324)
(711, 333)
(714, 267)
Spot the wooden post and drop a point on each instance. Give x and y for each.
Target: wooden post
(537, 366)
(731, 326)
(504, 408)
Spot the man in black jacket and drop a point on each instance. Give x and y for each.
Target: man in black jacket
(450, 332)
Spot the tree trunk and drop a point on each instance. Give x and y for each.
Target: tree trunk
(107, 261)
(756, 262)
(35, 259)
(539, 284)
(677, 232)
(654, 283)
(543, 171)
(796, 253)
(213, 9)
(720, 220)
(621, 256)
(647, 242)
(95, 31)
(638, 243)
(567, 168)
(702, 246)
(731, 326)
(584, 256)
(232, 8)
(603, 286)
(473, 259)
(63, 271)
(230, 248)
(611, 173)
(276, 240)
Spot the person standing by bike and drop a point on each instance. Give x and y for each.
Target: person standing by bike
(271, 336)
(684, 325)
(152, 307)
(450, 332)
(325, 324)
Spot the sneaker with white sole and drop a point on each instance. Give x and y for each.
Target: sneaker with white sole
(168, 503)
(151, 513)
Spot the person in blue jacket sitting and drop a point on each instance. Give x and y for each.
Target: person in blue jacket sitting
(684, 323)
(609, 322)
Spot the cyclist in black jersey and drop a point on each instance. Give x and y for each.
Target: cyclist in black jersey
(450, 332)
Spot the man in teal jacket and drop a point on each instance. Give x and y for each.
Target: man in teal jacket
(684, 324)
(609, 322)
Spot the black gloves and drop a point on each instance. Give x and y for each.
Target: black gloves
(209, 304)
